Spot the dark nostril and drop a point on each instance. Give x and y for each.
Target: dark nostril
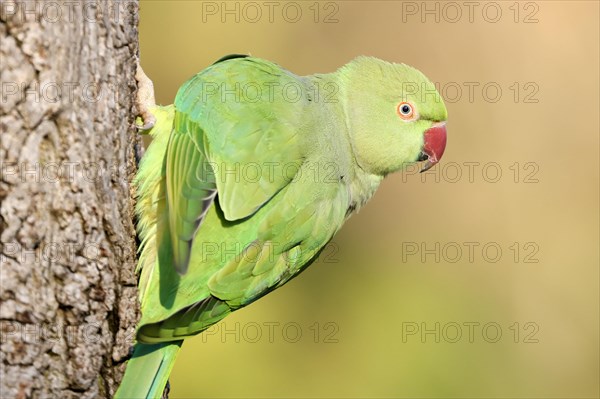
(423, 157)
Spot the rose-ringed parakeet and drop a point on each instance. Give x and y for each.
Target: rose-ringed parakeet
(249, 175)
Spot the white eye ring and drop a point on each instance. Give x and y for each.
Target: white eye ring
(406, 111)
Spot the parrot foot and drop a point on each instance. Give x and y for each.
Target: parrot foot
(165, 394)
(129, 353)
(145, 99)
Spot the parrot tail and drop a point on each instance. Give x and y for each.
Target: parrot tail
(148, 370)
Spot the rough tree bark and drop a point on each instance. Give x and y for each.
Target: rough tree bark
(67, 157)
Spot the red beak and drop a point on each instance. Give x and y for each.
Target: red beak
(435, 144)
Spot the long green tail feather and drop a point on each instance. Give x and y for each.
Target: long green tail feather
(148, 370)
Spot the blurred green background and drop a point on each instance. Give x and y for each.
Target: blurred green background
(363, 321)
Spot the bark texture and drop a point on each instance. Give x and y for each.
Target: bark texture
(67, 157)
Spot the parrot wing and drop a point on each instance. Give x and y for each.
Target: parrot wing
(221, 145)
(288, 237)
(259, 255)
(272, 213)
(190, 190)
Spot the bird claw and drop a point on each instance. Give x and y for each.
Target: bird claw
(144, 100)
(167, 390)
(130, 352)
(149, 122)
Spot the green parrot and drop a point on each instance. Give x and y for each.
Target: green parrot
(249, 175)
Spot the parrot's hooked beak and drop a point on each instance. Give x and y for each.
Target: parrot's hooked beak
(435, 144)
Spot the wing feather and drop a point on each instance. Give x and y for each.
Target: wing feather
(234, 200)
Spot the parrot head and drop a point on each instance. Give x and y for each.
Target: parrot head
(395, 115)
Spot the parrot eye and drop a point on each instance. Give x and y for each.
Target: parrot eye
(406, 111)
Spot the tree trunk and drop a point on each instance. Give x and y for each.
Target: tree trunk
(67, 158)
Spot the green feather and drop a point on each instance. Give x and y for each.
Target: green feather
(244, 184)
(148, 371)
